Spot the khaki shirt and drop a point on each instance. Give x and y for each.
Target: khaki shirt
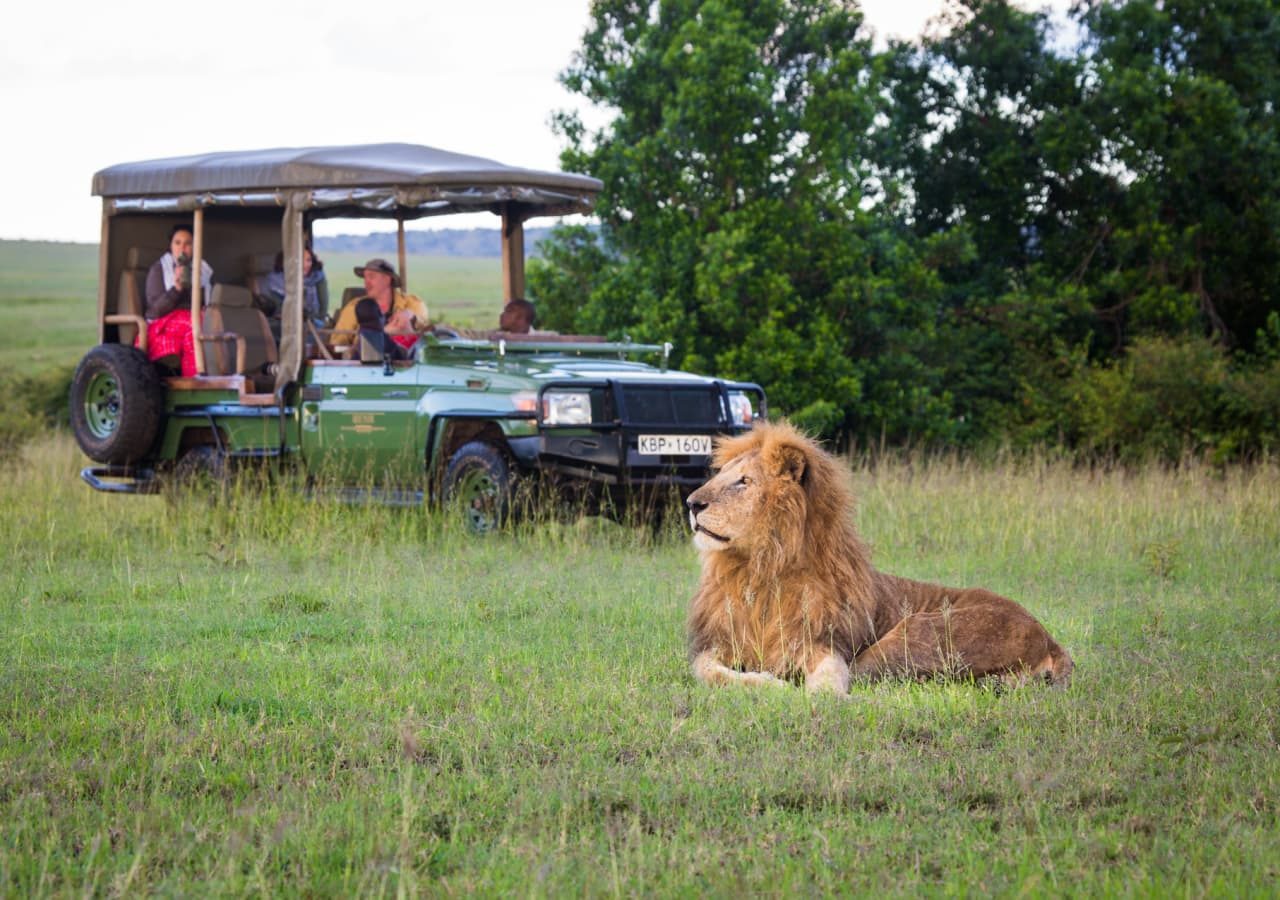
(347, 317)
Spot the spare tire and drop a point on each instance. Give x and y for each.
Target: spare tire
(117, 402)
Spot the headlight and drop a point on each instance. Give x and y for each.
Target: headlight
(566, 408)
(740, 408)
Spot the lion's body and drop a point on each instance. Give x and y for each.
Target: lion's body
(788, 590)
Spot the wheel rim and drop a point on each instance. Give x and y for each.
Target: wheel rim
(481, 500)
(102, 405)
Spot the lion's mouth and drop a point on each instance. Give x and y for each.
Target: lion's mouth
(718, 538)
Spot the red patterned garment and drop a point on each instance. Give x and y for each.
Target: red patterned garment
(170, 335)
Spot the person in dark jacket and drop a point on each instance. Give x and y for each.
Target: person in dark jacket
(169, 301)
(315, 289)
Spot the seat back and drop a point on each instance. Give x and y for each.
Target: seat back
(372, 346)
(131, 297)
(231, 309)
(257, 266)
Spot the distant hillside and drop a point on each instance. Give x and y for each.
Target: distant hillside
(442, 242)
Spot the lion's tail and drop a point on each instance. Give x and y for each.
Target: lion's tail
(1060, 672)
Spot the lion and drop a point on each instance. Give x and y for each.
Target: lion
(788, 593)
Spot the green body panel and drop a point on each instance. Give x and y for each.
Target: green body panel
(252, 430)
(364, 425)
(370, 423)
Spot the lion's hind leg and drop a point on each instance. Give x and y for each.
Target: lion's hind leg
(979, 636)
(919, 646)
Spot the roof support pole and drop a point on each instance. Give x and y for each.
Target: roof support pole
(293, 228)
(103, 245)
(404, 273)
(197, 287)
(512, 255)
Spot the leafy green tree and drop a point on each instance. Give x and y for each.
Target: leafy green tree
(1183, 96)
(739, 218)
(956, 241)
(990, 135)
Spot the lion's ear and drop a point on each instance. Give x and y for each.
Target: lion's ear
(790, 462)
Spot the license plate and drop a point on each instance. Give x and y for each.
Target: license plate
(675, 444)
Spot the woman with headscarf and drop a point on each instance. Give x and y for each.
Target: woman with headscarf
(169, 301)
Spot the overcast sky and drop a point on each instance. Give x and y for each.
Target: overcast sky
(85, 86)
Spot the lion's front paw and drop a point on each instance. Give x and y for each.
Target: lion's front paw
(759, 678)
(830, 674)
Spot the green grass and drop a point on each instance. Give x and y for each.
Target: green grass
(48, 304)
(270, 695)
(49, 297)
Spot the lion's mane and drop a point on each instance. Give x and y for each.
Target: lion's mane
(806, 585)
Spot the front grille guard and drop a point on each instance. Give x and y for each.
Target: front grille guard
(615, 390)
(607, 451)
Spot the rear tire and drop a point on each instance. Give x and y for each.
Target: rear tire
(479, 483)
(202, 468)
(117, 403)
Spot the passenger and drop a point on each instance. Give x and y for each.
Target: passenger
(373, 330)
(517, 317)
(315, 289)
(402, 312)
(169, 301)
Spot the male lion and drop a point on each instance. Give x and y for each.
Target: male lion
(787, 586)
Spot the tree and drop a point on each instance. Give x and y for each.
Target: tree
(1183, 95)
(738, 215)
(990, 135)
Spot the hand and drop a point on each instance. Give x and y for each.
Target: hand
(181, 277)
(401, 321)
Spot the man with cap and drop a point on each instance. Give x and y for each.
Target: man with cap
(402, 312)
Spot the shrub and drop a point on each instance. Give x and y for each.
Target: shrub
(1251, 410)
(32, 404)
(1163, 399)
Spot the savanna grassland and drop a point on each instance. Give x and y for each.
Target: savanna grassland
(268, 694)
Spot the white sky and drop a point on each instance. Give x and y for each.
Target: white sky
(93, 83)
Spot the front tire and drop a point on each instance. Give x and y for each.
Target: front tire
(479, 483)
(117, 402)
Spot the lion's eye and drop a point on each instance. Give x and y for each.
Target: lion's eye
(744, 480)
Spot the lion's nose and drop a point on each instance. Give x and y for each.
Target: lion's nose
(695, 505)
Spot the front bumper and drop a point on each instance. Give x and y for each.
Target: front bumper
(608, 452)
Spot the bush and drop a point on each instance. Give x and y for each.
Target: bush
(821, 418)
(32, 404)
(1165, 398)
(1252, 411)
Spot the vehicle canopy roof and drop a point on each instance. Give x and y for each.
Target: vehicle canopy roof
(403, 181)
(294, 185)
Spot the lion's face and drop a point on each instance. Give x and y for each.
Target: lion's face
(748, 500)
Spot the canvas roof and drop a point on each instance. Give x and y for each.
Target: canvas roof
(288, 168)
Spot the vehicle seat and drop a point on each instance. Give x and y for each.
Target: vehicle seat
(257, 266)
(131, 299)
(345, 343)
(231, 311)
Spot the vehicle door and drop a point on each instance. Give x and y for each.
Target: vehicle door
(359, 422)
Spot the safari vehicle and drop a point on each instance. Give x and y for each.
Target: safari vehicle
(464, 419)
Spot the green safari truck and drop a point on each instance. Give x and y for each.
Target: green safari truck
(468, 419)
